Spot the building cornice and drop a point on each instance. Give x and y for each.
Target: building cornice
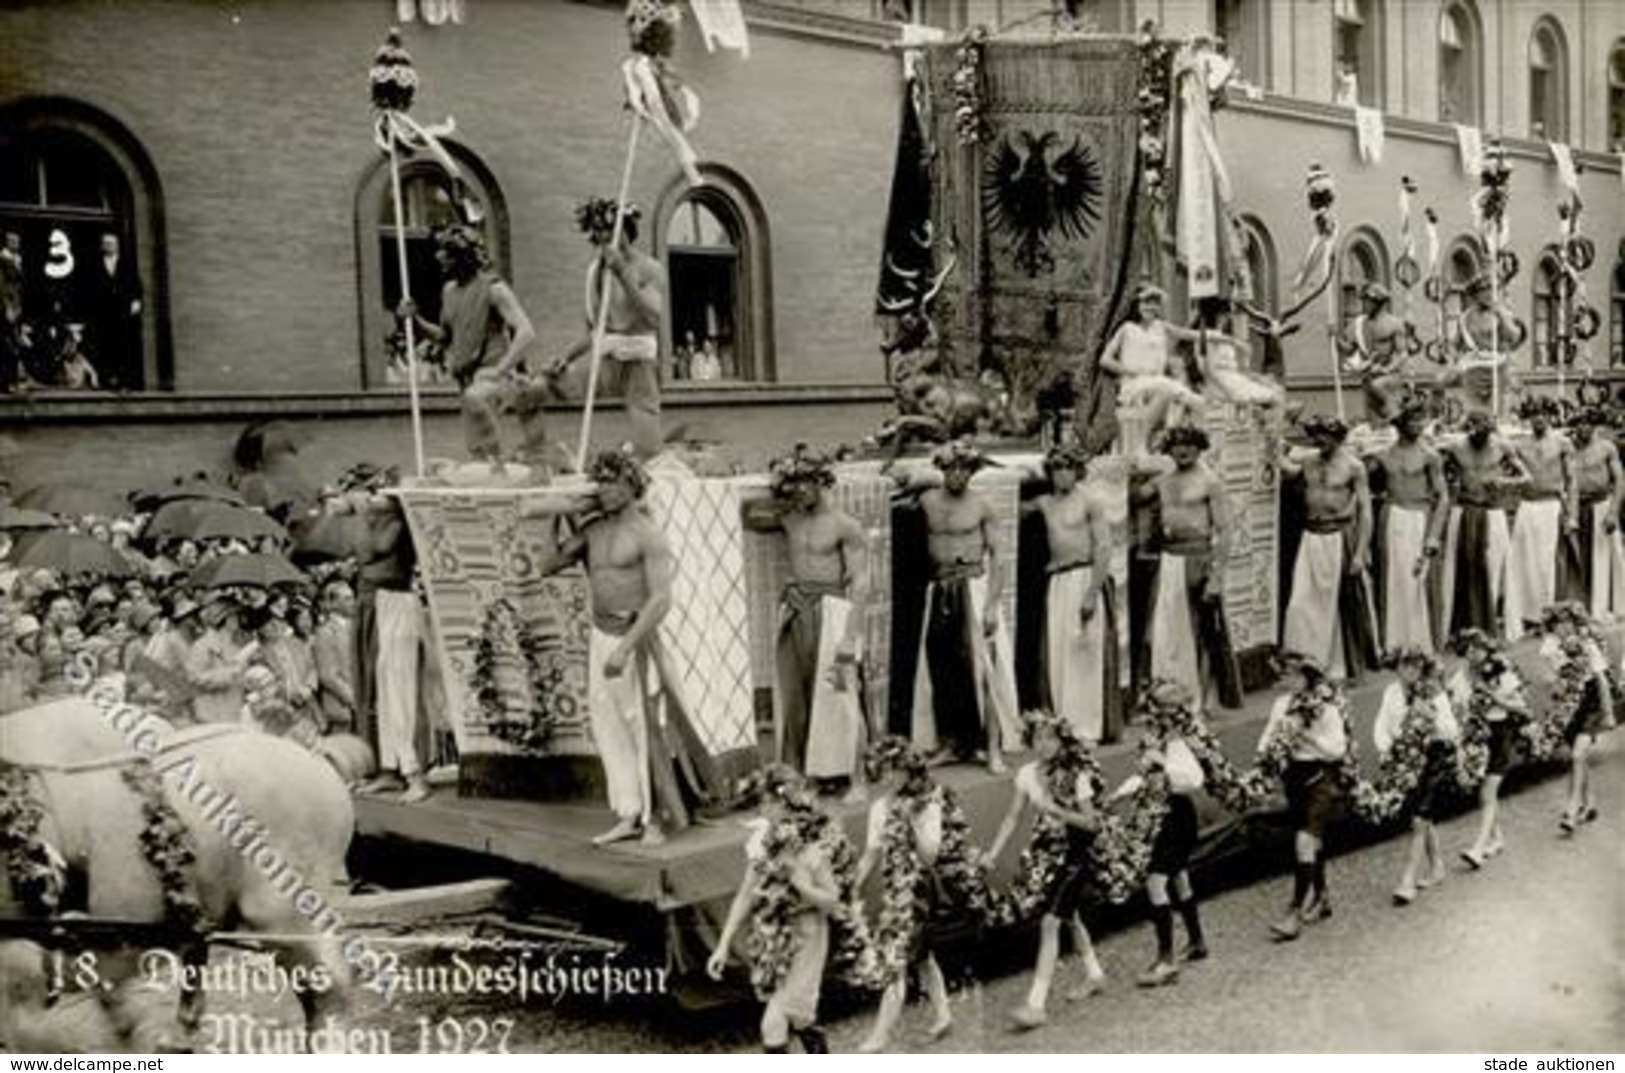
(821, 26)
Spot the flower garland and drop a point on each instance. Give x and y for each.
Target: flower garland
(1403, 767)
(1546, 735)
(33, 865)
(904, 880)
(772, 942)
(530, 722)
(1473, 758)
(970, 118)
(1156, 80)
(168, 847)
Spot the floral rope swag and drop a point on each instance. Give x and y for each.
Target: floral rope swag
(168, 847)
(904, 884)
(970, 118)
(34, 867)
(518, 680)
(1402, 769)
(772, 940)
(1547, 735)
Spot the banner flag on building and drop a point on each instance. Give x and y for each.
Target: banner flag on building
(433, 12)
(1368, 128)
(906, 259)
(722, 23)
(1470, 143)
(1565, 166)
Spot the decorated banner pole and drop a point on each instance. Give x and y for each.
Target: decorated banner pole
(394, 85)
(600, 321)
(1490, 208)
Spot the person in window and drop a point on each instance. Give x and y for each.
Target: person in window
(77, 373)
(705, 365)
(11, 310)
(637, 300)
(113, 307)
(484, 331)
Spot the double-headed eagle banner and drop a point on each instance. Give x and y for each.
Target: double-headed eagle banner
(1033, 166)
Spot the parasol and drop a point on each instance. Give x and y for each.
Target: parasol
(257, 570)
(17, 519)
(155, 497)
(324, 538)
(72, 501)
(71, 555)
(210, 519)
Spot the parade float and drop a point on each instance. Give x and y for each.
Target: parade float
(1039, 180)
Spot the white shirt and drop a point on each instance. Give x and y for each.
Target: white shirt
(1391, 717)
(927, 827)
(1323, 740)
(1030, 781)
(1183, 769)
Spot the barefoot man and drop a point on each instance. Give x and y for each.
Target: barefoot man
(1189, 638)
(818, 711)
(629, 576)
(1412, 526)
(1599, 486)
(1545, 512)
(1080, 627)
(1328, 616)
(964, 685)
(1478, 539)
(637, 301)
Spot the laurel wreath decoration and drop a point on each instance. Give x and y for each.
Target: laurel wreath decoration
(33, 865)
(904, 882)
(523, 711)
(772, 942)
(168, 846)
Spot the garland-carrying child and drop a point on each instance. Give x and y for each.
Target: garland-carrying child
(1490, 691)
(798, 898)
(1417, 736)
(1584, 695)
(1058, 869)
(919, 837)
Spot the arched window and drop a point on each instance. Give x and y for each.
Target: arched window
(426, 207)
(714, 242)
(1460, 64)
(1548, 284)
(79, 219)
(1262, 279)
(1364, 261)
(1548, 82)
(1357, 59)
(1616, 96)
(1463, 261)
(1616, 299)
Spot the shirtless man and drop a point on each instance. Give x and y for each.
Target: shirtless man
(629, 576)
(1412, 528)
(1080, 626)
(1483, 469)
(964, 684)
(1487, 336)
(1374, 347)
(1546, 511)
(819, 714)
(1139, 354)
(1328, 617)
(637, 301)
(1189, 639)
(1599, 491)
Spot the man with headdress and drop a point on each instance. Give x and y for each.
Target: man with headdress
(1545, 512)
(629, 576)
(817, 706)
(1329, 615)
(1307, 734)
(1410, 531)
(1483, 469)
(484, 332)
(1598, 576)
(637, 301)
(1080, 614)
(964, 682)
(1374, 345)
(1188, 637)
(1488, 336)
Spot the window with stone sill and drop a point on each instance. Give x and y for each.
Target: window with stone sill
(1460, 64)
(1357, 52)
(1548, 82)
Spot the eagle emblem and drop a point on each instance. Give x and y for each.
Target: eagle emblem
(1035, 187)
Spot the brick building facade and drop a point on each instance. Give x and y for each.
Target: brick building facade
(236, 143)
